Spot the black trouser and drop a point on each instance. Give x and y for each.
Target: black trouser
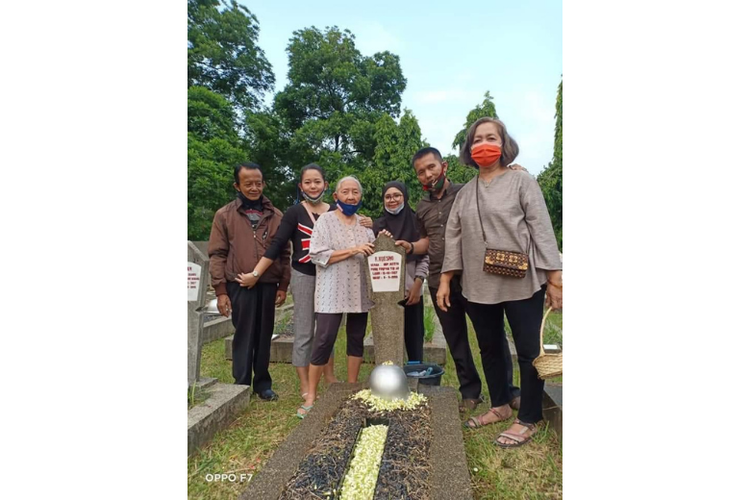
(414, 330)
(456, 336)
(327, 329)
(525, 319)
(253, 313)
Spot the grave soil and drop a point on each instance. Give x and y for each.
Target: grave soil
(404, 467)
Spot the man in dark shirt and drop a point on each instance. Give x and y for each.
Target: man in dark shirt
(432, 216)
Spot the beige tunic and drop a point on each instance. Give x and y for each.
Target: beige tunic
(339, 287)
(513, 214)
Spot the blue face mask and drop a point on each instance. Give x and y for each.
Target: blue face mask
(396, 211)
(347, 209)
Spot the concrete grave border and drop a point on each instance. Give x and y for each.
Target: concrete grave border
(224, 404)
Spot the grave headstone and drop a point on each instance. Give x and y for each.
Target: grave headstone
(197, 288)
(386, 285)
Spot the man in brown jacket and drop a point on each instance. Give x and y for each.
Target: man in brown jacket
(241, 232)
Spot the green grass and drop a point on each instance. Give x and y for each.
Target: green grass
(552, 328)
(197, 396)
(429, 324)
(533, 471)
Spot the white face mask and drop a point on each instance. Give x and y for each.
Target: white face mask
(395, 212)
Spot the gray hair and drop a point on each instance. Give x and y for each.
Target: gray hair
(349, 178)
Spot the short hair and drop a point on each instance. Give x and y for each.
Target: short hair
(311, 166)
(349, 178)
(424, 152)
(248, 165)
(510, 146)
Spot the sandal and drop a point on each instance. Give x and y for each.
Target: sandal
(470, 404)
(303, 395)
(520, 438)
(477, 422)
(303, 407)
(515, 403)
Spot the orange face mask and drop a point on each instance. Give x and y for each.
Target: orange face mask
(486, 154)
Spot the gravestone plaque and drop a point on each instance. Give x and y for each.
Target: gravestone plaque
(385, 271)
(193, 281)
(198, 278)
(385, 285)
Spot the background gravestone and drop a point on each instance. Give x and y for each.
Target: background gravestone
(225, 401)
(197, 288)
(386, 276)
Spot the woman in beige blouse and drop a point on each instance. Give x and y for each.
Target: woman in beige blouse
(339, 247)
(515, 218)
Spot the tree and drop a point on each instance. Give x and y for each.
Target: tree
(267, 143)
(214, 147)
(210, 115)
(228, 75)
(487, 108)
(457, 172)
(396, 144)
(550, 179)
(335, 95)
(210, 178)
(223, 54)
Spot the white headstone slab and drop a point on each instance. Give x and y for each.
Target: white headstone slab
(194, 281)
(385, 271)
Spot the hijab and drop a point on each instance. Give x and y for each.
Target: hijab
(403, 226)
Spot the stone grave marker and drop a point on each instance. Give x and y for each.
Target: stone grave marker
(386, 276)
(225, 401)
(197, 288)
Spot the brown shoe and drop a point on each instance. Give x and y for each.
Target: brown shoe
(470, 404)
(494, 415)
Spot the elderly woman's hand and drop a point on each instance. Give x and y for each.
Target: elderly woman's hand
(364, 249)
(385, 232)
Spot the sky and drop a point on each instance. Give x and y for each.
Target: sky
(451, 53)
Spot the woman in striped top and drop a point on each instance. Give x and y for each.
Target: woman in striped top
(297, 226)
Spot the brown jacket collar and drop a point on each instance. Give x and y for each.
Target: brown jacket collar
(268, 208)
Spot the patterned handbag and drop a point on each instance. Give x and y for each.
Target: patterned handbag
(502, 262)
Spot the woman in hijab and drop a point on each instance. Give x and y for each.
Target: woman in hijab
(401, 222)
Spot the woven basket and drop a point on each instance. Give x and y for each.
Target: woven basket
(548, 365)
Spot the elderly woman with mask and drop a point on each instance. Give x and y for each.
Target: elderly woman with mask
(498, 221)
(339, 246)
(400, 221)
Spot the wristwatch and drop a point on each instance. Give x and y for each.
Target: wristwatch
(255, 274)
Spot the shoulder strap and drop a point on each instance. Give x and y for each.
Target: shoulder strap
(479, 214)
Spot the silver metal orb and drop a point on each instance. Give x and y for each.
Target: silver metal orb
(212, 307)
(389, 382)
